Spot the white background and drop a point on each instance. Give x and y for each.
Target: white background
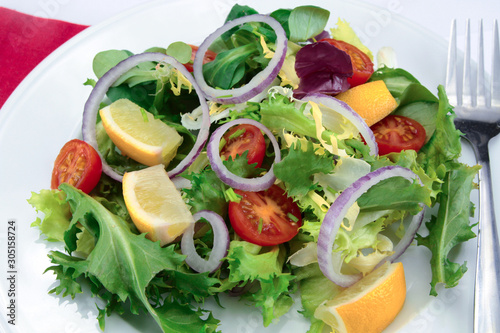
(433, 15)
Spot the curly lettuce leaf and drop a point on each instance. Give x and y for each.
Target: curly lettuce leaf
(247, 264)
(56, 210)
(240, 167)
(451, 225)
(444, 148)
(278, 113)
(122, 265)
(57, 214)
(206, 192)
(299, 181)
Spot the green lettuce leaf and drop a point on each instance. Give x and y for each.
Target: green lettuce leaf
(123, 264)
(450, 227)
(315, 289)
(206, 192)
(247, 264)
(278, 113)
(414, 100)
(444, 148)
(307, 22)
(299, 181)
(57, 214)
(56, 210)
(409, 196)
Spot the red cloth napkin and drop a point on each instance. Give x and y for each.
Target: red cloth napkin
(26, 40)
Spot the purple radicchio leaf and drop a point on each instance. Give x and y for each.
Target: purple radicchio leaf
(322, 68)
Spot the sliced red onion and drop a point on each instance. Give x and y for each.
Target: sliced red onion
(260, 81)
(245, 184)
(109, 78)
(346, 111)
(337, 211)
(323, 34)
(181, 182)
(219, 250)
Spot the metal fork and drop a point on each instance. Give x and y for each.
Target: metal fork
(477, 106)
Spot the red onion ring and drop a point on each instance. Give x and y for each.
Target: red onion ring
(181, 182)
(338, 210)
(219, 250)
(260, 81)
(109, 78)
(346, 111)
(245, 184)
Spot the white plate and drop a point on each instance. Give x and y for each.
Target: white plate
(45, 112)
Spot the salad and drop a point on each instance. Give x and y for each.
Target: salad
(292, 169)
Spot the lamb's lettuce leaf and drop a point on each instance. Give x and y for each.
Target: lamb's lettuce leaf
(306, 22)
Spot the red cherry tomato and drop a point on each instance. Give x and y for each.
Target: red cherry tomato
(242, 138)
(209, 56)
(396, 133)
(77, 164)
(265, 218)
(362, 66)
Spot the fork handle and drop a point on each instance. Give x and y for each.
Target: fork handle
(487, 287)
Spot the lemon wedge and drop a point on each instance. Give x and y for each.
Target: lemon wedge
(371, 100)
(370, 304)
(155, 205)
(138, 134)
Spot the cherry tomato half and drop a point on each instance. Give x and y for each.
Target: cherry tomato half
(209, 56)
(265, 218)
(77, 164)
(242, 138)
(396, 133)
(362, 66)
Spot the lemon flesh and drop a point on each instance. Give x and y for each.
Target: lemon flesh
(138, 135)
(155, 205)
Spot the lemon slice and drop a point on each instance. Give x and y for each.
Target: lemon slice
(138, 134)
(155, 205)
(370, 304)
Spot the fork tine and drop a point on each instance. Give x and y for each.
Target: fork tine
(495, 71)
(452, 85)
(468, 92)
(482, 98)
